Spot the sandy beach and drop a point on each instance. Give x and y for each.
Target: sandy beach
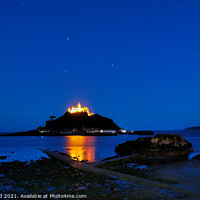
(186, 173)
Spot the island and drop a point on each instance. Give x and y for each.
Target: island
(79, 120)
(193, 128)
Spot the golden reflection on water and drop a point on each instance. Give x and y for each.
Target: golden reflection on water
(81, 147)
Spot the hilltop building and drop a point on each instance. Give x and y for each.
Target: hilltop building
(79, 109)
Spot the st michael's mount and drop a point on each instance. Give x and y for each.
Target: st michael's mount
(79, 120)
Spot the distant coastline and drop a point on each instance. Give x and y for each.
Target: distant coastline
(77, 132)
(57, 133)
(6, 133)
(193, 128)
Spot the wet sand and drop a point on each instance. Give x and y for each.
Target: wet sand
(149, 185)
(186, 173)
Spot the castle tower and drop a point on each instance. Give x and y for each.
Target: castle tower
(79, 109)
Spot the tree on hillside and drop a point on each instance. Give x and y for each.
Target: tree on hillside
(52, 118)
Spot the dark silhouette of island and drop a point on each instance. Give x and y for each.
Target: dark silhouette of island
(193, 128)
(74, 124)
(79, 121)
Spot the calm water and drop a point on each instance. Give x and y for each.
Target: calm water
(92, 148)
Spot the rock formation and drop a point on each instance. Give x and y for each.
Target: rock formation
(161, 144)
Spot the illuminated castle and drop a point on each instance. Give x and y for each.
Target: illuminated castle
(79, 109)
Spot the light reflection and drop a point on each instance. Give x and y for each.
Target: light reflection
(81, 147)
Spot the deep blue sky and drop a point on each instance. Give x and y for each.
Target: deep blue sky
(137, 62)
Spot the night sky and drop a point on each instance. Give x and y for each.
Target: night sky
(137, 62)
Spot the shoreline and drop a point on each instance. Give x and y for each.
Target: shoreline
(49, 175)
(12, 135)
(135, 192)
(77, 132)
(186, 173)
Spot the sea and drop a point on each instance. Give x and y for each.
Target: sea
(90, 148)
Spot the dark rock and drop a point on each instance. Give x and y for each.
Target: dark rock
(197, 157)
(161, 144)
